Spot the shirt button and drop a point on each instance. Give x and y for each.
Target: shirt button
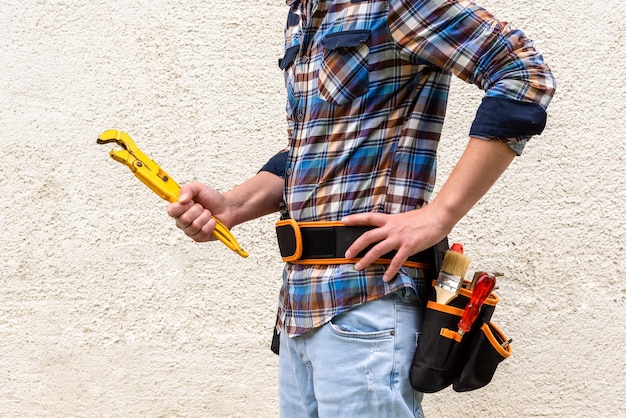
(289, 171)
(300, 117)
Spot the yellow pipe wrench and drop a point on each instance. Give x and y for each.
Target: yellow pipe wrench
(157, 179)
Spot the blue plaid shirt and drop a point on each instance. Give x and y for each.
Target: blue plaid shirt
(367, 87)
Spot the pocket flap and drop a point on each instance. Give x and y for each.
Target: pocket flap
(346, 39)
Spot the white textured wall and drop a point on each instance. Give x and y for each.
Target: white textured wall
(107, 310)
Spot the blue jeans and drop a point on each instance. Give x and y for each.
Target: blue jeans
(357, 365)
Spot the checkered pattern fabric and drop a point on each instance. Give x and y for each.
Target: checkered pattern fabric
(367, 87)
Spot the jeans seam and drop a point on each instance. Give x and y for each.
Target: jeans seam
(394, 369)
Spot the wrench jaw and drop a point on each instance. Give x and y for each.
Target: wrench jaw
(143, 167)
(124, 157)
(119, 137)
(130, 151)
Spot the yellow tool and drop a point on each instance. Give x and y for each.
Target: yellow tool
(157, 179)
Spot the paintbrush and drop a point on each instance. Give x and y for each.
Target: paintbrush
(453, 269)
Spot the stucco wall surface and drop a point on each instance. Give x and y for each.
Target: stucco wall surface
(106, 309)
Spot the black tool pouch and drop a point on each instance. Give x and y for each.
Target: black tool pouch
(444, 357)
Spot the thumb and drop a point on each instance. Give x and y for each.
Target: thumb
(188, 192)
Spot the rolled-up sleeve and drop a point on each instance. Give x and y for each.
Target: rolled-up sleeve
(277, 164)
(468, 41)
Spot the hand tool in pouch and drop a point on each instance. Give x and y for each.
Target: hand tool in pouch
(484, 285)
(157, 179)
(453, 269)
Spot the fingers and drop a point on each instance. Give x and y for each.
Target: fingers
(176, 209)
(378, 251)
(186, 197)
(196, 222)
(386, 245)
(395, 266)
(375, 236)
(370, 218)
(380, 239)
(399, 232)
(190, 213)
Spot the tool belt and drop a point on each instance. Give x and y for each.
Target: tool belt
(326, 243)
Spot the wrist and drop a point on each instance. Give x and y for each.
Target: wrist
(231, 210)
(445, 215)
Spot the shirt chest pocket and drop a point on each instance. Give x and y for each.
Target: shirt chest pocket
(344, 74)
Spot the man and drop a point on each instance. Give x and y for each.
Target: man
(367, 88)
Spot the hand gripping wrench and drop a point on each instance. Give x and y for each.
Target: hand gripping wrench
(157, 179)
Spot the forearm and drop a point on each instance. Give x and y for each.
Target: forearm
(481, 164)
(254, 198)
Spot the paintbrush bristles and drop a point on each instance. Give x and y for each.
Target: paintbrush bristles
(455, 263)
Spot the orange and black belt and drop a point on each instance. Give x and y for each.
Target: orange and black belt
(326, 243)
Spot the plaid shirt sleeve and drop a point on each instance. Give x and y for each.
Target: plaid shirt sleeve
(467, 40)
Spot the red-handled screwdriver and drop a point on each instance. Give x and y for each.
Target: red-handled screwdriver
(482, 288)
